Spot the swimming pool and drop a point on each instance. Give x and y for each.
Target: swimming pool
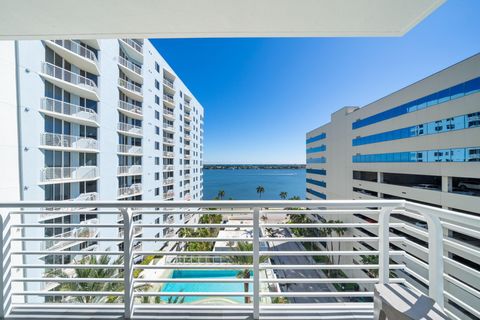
(205, 286)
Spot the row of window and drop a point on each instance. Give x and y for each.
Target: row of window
(317, 149)
(317, 183)
(321, 172)
(471, 120)
(321, 136)
(442, 155)
(317, 160)
(452, 93)
(317, 194)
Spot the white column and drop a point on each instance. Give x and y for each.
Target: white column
(128, 262)
(256, 262)
(384, 245)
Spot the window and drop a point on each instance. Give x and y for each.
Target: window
(157, 84)
(157, 191)
(157, 115)
(157, 161)
(157, 67)
(157, 176)
(157, 130)
(157, 99)
(157, 145)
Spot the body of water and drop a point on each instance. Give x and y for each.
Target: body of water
(241, 184)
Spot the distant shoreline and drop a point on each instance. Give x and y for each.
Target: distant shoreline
(252, 166)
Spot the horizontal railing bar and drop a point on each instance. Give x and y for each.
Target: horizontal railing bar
(318, 294)
(327, 266)
(64, 239)
(188, 226)
(467, 231)
(348, 204)
(195, 239)
(193, 280)
(319, 211)
(68, 266)
(325, 253)
(328, 280)
(193, 294)
(63, 252)
(73, 204)
(67, 293)
(65, 225)
(459, 247)
(195, 253)
(416, 275)
(326, 239)
(195, 266)
(464, 305)
(68, 280)
(319, 224)
(463, 286)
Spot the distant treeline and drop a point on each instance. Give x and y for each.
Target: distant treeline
(253, 166)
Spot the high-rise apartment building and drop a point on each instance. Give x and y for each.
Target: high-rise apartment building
(97, 120)
(421, 143)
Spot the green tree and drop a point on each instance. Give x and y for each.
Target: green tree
(221, 194)
(283, 195)
(96, 273)
(260, 190)
(244, 260)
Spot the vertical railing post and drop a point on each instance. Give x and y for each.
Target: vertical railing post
(435, 258)
(384, 245)
(5, 262)
(256, 263)
(128, 297)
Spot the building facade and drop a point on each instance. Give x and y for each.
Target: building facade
(421, 143)
(97, 120)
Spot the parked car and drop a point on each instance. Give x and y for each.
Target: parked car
(464, 185)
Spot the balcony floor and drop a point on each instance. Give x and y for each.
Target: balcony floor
(198, 312)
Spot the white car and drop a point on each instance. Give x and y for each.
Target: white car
(464, 185)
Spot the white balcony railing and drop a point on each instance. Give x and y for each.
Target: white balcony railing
(130, 107)
(296, 264)
(56, 140)
(168, 113)
(168, 167)
(168, 83)
(135, 45)
(134, 189)
(129, 170)
(52, 212)
(168, 98)
(168, 195)
(68, 76)
(168, 127)
(168, 140)
(129, 128)
(77, 48)
(130, 149)
(54, 174)
(130, 86)
(168, 181)
(168, 154)
(68, 109)
(129, 65)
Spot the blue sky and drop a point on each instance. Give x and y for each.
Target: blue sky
(262, 95)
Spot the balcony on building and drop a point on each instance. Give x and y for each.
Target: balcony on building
(168, 154)
(50, 175)
(168, 181)
(130, 89)
(131, 110)
(57, 141)
(131, 170)
(169, 141)
(130, 191)
(168, 127)
(168, 113)
(133, 48)
(69, 112)
(168, 167)
(70, 81)
(129, 129)
(131, 70)
(169, 100)
(168, 195)
(76, 53)
(127, 149)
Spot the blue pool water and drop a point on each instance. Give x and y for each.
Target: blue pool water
(202, 286)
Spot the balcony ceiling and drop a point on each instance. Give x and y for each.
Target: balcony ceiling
(58, 19)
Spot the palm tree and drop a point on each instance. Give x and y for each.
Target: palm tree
(260, 190)
(221, 194)
(283, 195)
(244, 260)
(93, 286)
